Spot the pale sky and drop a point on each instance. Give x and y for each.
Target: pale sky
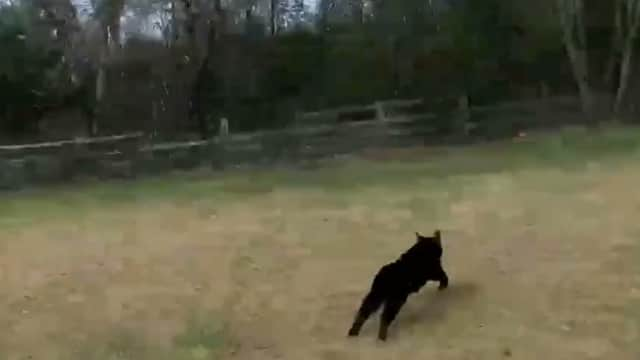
(131, 24)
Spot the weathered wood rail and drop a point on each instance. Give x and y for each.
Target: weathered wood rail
(316, 135)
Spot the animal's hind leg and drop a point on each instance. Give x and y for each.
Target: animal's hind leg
(391, 308)
(370, 304)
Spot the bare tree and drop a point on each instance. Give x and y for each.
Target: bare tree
(357, 11)
(572, 19)
(616, 45)
(325, 7)
(108, 13)
(205, 23)
(73, 76)
(273, 16)
(297, 12)
(60, 17)
(627, 26)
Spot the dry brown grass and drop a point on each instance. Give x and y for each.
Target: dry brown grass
(544, 263)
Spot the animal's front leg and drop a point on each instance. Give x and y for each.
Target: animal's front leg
(444, 280)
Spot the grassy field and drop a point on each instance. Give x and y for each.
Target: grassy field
(541, 237)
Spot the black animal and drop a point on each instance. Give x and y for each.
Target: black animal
(397, 280)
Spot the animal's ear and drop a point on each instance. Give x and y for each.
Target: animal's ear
(436, 236)
(418, 236)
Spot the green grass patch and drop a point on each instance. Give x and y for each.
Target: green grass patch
(117, 344)
(202, 339)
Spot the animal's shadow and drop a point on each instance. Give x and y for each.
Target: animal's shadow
(430, 307)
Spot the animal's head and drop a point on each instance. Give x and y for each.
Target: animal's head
(431, 244)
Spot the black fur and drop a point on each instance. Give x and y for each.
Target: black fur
(396, 281)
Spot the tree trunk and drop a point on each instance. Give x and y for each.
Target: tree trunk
(110, 27)
(174, 23)
(625, 74)
(357, 11)
(101, 78)
(112, 22)
(199, 96)
(616, 44)
(395, 63)
(579, 64)
(571, 14)
(324, 8)
(273, 17)
(632, 12)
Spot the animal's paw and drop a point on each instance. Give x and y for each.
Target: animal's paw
(444, 283)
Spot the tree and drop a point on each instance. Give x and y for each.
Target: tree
(205, 27)
(616, 45)
(57, 22)
(296, 12)
(357, 11)
(625, 29)
(572, 20)
(324, 8)
(627, 26)
(273, 16)
(30, 70)
(107, 13)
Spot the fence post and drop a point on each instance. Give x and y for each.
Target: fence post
(68, 160)
(544, 90)
(462, 116)
(223, 131)
(131, 151)
(217, 145)
(380, 116)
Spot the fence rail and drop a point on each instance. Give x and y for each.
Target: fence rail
(77, 141)
(130, 155)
